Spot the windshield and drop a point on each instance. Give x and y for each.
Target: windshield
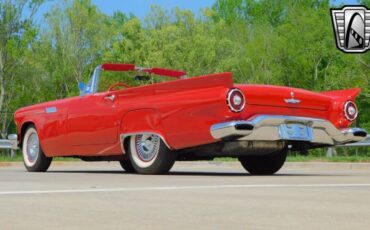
(129, 74)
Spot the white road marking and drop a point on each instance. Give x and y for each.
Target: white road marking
(195, 187)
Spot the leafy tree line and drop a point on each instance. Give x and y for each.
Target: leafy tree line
(287, 42)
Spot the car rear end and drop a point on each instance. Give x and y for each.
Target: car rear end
(301, 118)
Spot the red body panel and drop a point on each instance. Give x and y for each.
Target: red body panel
(181, 111)
(166, 72)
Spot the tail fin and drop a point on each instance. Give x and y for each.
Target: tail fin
(346, 94)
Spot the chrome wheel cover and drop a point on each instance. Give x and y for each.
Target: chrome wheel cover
(32, 147)
(147, 146)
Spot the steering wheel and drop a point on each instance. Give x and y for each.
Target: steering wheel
(111, 88)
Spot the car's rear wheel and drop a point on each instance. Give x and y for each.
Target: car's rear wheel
(150, 155)
(33, 157)
(127, 166)
(264, 164)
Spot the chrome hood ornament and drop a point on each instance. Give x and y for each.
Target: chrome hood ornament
(292, 100)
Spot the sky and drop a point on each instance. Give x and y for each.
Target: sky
(141, 7)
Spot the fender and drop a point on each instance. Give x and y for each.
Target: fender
(25, 118)
(39, 128)
(141, 121)
(339, 99)
(22, 128)
(346, 94)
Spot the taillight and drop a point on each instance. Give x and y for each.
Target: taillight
(235, 100)
(350, 110)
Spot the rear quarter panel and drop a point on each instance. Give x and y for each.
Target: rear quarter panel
(181, 111)
(339, 98)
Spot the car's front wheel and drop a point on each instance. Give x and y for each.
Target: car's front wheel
(264, 164)
(150, 155)
(33, 157)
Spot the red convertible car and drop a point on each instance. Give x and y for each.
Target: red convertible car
(147, 128)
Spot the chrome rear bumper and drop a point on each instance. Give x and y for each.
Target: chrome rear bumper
(267, 128)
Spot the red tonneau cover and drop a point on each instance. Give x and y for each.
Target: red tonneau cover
(132, 67)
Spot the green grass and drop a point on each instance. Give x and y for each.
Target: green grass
(225, 159)
(311, 158)
(19, 158)
(6, 158)
(328, 159)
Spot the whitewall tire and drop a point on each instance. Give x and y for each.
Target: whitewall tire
(149, 154)
(33, 157)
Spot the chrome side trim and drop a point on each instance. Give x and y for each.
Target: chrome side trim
(124, 135)
(52, 109)
(266, 128)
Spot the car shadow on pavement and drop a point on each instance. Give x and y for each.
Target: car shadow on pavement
(88, 172)
(196, 173)
(232, 174)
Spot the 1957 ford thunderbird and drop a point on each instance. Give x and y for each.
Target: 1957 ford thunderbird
(148, 128)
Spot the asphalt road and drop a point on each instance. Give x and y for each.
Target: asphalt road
(74, 195)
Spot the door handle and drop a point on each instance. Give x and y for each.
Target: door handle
(110, 97)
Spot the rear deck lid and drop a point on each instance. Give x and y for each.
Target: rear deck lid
(279, 96)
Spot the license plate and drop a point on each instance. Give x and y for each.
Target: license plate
(297, 132)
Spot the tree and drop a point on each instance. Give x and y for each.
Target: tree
(17, 33)
(77, 36)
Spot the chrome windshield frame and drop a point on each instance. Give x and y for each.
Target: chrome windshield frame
(92, 86)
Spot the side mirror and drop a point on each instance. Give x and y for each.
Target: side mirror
(82, 87)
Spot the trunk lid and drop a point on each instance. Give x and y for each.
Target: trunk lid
(287, 97)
